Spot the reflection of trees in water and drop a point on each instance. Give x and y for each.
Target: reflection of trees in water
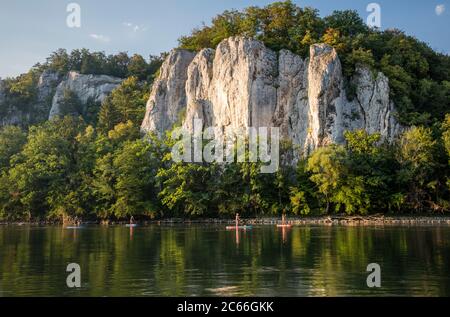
(202, 260)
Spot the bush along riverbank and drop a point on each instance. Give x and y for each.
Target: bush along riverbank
(64, 169)
(99, 166)
(337, 220)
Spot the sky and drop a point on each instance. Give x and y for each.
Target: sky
(31, 30)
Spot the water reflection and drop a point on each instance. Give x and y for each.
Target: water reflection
(210, 261)
(284, 233)
(131, 233)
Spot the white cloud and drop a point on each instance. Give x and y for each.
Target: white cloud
(100, 37)
(134, 27)
(440, 9)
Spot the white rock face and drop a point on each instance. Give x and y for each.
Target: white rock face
(372, 101)
(94, 88)
(243, 92)
(197, 88)
(38, 110)
(168, 97)
(325, 93)
(48, 81)
(46, 87)
(292, 112)
(244, 84)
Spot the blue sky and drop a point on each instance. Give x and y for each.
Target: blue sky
(31, 30)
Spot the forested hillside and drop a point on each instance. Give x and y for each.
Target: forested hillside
(105, 169)
(419, 77)
(22, 94)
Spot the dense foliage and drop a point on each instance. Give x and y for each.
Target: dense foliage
(21, 92)
(120, 65)
(67, 168)
(419, 77)
(98, 165)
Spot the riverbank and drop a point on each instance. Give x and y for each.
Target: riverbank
(342, 220)
(330, 220)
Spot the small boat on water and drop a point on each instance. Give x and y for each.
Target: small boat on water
(132, 223)
(239, 227)
(284, 226)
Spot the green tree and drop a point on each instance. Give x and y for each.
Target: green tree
(12, 140)
(326, 169)
(446, 135)
(347, 22)
(185, 188)
(376, 164)
(70, 104)
(46, 164)
(126, 103)
(416, 155)
(446, 142)
(302, 195)
(60, 61)
(138, 67)
(135, 170)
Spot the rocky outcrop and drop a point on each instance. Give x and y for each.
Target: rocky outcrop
(35, 112)
(244, 84)
(168, 97)
(88, 88)
(325, 96)
(46, 87)
(49, 95)
(372, 103)
(48, 81)
(198, 85)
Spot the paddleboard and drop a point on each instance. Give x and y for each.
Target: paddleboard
(131, 225)
(77, 227)
(239, 228)
(284, 226)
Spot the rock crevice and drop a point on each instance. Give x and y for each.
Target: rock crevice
(50, 88)
(88, 88)
(243, 84)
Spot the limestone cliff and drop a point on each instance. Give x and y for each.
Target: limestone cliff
(49, 93)
(88, 88)
(35, 112)
(168, 97)
(244, 84)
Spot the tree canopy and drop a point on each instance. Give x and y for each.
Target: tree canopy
(419, 77)
(99, 166)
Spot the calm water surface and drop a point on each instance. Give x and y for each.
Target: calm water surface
(199, 260)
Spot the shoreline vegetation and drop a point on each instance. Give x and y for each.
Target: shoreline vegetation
(325, 220)
(100, 166)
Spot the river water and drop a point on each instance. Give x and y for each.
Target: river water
(207, 260)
